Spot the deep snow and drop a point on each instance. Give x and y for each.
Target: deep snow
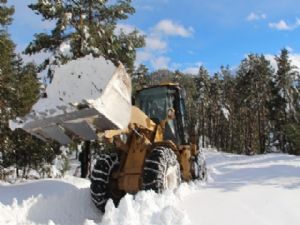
(260, 190)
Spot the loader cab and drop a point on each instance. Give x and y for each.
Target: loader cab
(157, 101)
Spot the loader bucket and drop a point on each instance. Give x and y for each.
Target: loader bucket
(86, 96)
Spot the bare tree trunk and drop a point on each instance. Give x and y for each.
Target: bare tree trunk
(259, 132)
(203, 126)
(264, 131)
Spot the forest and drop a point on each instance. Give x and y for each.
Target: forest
(251, 110)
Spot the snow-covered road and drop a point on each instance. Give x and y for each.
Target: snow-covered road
(260, 190)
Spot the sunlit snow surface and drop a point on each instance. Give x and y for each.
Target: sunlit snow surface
(260, 190)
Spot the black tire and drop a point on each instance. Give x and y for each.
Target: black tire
(161, 170)
(102, 181)
(198, 167)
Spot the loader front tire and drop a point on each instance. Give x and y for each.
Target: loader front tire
(103, 186)
(161, 170)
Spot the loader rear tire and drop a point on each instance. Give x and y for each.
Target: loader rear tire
(198, 167)
(161, 170)
(103, 185)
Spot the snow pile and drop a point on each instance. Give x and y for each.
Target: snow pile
(47, 202)
(145, 208)
(77, 82)
(88, 81)
(260, 190)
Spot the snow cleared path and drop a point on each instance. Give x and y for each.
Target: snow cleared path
(242, 190)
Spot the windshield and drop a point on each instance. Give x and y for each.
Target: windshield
(154, 102)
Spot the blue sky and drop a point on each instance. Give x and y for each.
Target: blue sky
(186, 34)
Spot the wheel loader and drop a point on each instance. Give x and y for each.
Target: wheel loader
(149, 144)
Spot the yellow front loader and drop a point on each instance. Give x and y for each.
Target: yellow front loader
(150, 147)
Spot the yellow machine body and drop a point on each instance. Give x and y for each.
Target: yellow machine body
(142, 135)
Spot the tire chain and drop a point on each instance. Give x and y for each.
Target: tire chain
(100, 179)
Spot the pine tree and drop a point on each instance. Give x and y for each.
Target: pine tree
(283, 110)
(284, 82)
(253, 86)
(265, 73)
(6, 71)
(203, 99)
(214, 110)
(219, 109)
(27, 88)
(85, 27)
(19, 89)
(228, 108)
